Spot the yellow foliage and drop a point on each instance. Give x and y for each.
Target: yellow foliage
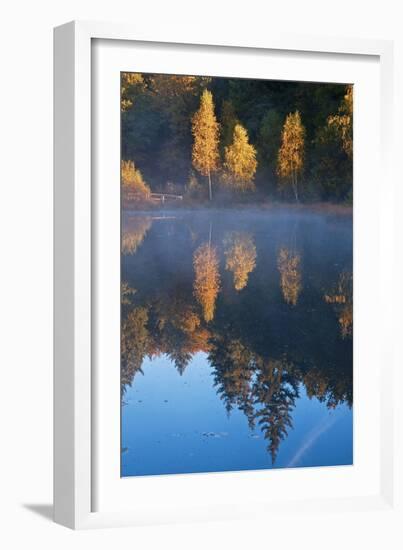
(240, 254)
(205, 130)
(346, 320)
(128, 81)
(343, 122)
(342, 298)
(126, 292)
(133, 234)
(290, 160)
(289, 266)
(207, 279)
(179, 326)
(132, 180)
(240, 160)
(169, 86)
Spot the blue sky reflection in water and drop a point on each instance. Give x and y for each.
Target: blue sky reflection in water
(259, 374)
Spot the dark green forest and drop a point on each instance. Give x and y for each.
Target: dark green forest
(251, 140)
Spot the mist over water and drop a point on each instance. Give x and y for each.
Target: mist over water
(236, 340)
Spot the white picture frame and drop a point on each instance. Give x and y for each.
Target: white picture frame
(76, 390)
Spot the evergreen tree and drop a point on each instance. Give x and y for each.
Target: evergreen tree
(228, 121)
(267, 146)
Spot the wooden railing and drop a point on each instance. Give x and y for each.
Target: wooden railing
(131, 196)
(162, 197)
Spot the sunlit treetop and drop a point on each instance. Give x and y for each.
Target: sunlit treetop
(343, 122)
(240, 160)
(206, 131)
(169, 86)
(290, 160)
(129, 83)
(132, 179)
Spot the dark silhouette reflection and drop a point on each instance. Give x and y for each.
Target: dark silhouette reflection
(233, 367)
(264, 390)
(175, 302)
(134, 343)
(275, 390)
(178, 330)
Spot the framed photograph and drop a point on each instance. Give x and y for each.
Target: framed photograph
(223, 253)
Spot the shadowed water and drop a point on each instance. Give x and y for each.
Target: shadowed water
(236, 341)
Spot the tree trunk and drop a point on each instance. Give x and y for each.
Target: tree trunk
(210, 192)
(295, 185)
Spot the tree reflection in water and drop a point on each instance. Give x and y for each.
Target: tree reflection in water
(289, 266)
(240, 257)
(207, 279)
(342, 299)
(136, 228)
(176, 301)
(275, 390)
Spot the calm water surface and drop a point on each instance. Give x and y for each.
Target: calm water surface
(236, 341)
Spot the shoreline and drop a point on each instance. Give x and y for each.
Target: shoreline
(314, 208)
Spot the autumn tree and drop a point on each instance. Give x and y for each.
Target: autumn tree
(207, 279)
(156, 123)
(240, 254)
(133, 181)
(332, 166)
(131, 85)
(240, 161)
(289, 266)
(205, 130)
(343, 122)
(290, 158)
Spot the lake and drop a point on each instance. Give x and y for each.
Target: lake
(236, 340)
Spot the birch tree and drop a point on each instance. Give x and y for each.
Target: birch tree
(205, 130)
(240, 160)
(290, 160)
